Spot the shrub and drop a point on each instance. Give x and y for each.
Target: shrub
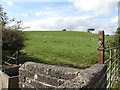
(12, 39)
(64, 30)
(114, 41)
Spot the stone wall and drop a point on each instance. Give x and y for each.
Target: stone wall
(36, 75)
(9, 76)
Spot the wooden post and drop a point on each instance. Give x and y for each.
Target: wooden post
(118, 36)
(118, 33)
(101, 47)
(17, 56)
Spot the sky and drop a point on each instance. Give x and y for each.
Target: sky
(72, 15)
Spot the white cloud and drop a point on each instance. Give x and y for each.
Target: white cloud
(24, 14)
(98, 7)
(38, 0)
(58, 23)
(9, 3)
(79, 23)
(114, 20)
(86, 5)
(51, 0)
(47, 8)
(108, 25)
(74, 23)
(37, 14)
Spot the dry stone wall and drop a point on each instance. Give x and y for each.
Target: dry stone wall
(36, 75)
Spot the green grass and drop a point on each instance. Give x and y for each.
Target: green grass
(117, 84)
(71, 48)
(77, 49)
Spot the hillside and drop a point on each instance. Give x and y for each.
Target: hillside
(72, 48)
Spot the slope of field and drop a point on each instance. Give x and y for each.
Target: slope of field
(72, 48)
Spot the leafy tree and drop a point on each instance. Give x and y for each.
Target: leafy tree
(90, 29)
(64, 30)
(16, 25)
(12, 37)
(3, 17)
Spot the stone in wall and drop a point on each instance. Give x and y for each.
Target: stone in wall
(37, 75)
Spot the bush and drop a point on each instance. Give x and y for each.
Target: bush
(64, 30)
(12, 40)
(118, 33)
(114, 41)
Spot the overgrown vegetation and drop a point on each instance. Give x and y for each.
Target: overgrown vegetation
(12, 38)
(113, 42)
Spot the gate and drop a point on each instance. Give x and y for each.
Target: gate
(110, 57)
(13, 57)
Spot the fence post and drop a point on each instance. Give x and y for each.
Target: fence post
(118, 36)
(17, 56)
(101, 47)
(118, 33)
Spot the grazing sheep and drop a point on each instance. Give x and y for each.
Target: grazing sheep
(45, 41)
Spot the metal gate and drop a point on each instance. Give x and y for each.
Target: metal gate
(110, 57)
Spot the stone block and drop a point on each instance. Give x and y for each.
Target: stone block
(53, 76)
(39, 77)
(25, 85)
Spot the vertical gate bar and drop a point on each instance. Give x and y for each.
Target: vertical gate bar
(116, 56)
(101, 47)
(118, 36)
(115, 64)
(110, 64)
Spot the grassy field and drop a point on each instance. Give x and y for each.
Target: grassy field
(76, 49)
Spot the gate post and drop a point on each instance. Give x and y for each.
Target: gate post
(17, 56)
(101, 47)
(118, 34)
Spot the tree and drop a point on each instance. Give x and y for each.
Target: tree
(64, 30)
(3, 17)
(90, 29)
(12, 36)
(6, 23)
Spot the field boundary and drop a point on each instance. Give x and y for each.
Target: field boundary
(112, 60)
(37, 75)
